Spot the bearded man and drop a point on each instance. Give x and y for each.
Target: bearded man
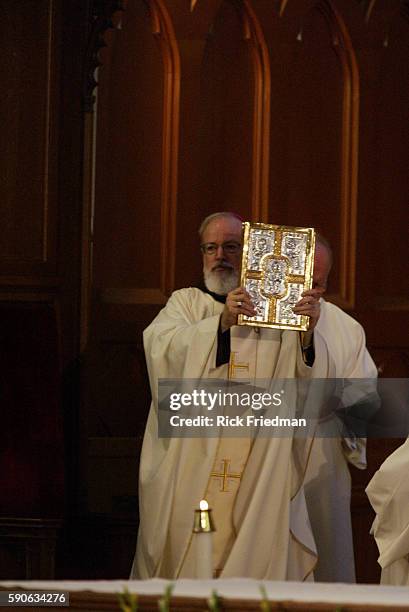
(254, 486)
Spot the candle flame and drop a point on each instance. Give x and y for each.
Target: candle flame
(203, 505)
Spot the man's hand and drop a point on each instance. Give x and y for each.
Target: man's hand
(237, 302)
(310, 305)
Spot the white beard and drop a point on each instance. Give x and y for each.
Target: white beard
(221, 284)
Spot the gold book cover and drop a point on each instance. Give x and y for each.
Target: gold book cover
(276, 267)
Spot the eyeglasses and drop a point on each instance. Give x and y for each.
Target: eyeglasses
(210, 248)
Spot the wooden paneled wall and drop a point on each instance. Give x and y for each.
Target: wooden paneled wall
(28, 152)
(31, 427)
(41, 44)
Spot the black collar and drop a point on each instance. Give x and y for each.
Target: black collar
(215, 296)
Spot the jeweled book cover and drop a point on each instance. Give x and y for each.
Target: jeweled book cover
(277, 266)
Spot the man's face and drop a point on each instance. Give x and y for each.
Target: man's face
(322, 267)
(221, 268)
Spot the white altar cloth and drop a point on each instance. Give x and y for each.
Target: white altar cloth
(236, 588)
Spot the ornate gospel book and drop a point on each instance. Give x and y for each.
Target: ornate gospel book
(277, 266)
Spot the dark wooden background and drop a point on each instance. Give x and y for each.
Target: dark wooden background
(285, 111)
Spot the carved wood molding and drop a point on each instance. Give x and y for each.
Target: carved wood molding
(30, 281)
(253, 35)
(391, 303)
(283, 4)
(30, 296)
(101, 14)
(369, 9)
(48, 135)
(163, 30)
(28, 251)
(114, 295)
(349, 151)
(393, 10)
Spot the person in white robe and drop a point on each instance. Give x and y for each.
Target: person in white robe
(328, 479)
(388, 493)
(255, 487)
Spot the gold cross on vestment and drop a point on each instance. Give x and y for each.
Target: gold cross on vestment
(233, 366)
(225, 475)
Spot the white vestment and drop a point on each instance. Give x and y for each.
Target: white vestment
(328, 480)
(273, 538)
(388, 492)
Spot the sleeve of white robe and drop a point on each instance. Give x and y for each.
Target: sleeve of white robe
(388, 492)
(341, 353)
(182, 340)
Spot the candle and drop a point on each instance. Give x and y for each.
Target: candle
(203, 528)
